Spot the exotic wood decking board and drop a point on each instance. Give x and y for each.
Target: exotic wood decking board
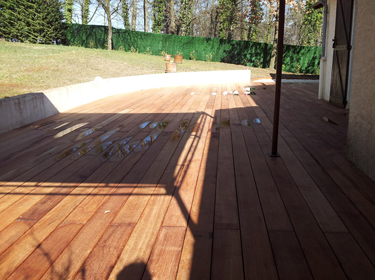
(116, 200)
(207, 203)
(120, 175)
(336, 247)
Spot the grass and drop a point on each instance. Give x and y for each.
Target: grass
(28, 68)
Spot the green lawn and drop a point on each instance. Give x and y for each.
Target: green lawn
(28, 68)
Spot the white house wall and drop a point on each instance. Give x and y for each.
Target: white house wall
(327, 60)
(361, 131)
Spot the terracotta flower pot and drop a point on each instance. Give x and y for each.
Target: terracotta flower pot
(167, 57)
(178, 58)
(171, 67)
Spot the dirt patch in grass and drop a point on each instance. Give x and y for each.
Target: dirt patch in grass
(28, 68)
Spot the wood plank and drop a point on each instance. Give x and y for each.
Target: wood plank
(318, 253)
(335, 198)
(291, 264)
(115, 201)
(226, 212)
(45, 230)
(144, 233)
(354, 262)
(195, 260)
(107, 251)
(165, 256)
(43, 257)
(257, 253)
(226, 256)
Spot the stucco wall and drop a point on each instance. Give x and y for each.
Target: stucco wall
(327, 60)
(361, 134)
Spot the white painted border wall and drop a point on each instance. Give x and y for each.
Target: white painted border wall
(24, 109)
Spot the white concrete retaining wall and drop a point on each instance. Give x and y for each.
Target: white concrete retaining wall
(24, 109)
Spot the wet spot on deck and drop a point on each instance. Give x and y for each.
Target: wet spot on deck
(106, 135)
(61, 125)
(98, 149)
(103, 146)
(71, 150)
(68, 130)
(177, 134)
(147, 142)
(225, 123)
(159, 125)
(97, 144)
(127, 149)
(144, 125)
(246, 123)
(115, 151)
(256, 120)
(87, 133)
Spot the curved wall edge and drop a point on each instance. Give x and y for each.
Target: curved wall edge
(24, 109)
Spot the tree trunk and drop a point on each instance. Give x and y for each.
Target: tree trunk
(274, 45)
(172, 29)
(109, 42)
(145, 6)
(134, 15)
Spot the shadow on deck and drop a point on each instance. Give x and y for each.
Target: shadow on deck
(180, 186)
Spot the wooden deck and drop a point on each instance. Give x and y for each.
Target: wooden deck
(94, 194)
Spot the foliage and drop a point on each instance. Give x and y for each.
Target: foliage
(312, 25)
(227, 18)
(148, 51)
(255, 17)
(85, 12)
(15, 16)
(186, 17)
(125, 14)
(231, 51)
(193, 55)
(35, 21)
(158, 11)
(134, 50)
(68, 11)
(163, 53)
(209, 57)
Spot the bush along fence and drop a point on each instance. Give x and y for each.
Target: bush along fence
(297, 59)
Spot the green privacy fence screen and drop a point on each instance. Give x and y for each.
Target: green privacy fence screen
(296, 58)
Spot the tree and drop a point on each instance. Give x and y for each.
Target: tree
(145, 10)
(273, 7)
(255, 17)
(110, 7)
(68, 11)
(186, 17)
(169, 17)
(35, 21)
(158, 15)
(49, 27)
(134, 15)
(125, 14)
(312, 25)
(227, 10)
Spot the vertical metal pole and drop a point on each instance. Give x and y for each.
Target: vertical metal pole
(280, 49)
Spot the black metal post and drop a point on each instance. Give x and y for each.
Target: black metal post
(279, 67)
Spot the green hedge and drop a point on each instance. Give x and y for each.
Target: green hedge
(296, 58)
